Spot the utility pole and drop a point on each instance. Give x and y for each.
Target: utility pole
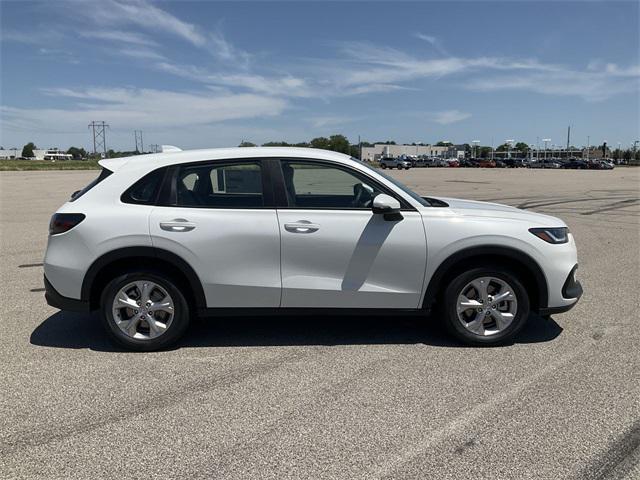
(568, 136)
(475, 147)
(99, 136)
(138, 136)
(509, 143)
(588, 146)
(546, 145)
(359, 148)
(155, 148)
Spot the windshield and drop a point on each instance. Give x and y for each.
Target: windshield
(401, 186)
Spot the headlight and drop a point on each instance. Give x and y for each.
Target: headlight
(552, 235)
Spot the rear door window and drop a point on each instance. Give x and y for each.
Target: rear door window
(219, 185)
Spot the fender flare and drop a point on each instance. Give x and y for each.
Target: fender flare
(149, 253)
(518, 256)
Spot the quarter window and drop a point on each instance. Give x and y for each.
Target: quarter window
(145, 190)
(316, 185)
(237, 185)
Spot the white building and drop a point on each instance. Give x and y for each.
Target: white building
(10, 153)
(52, 154)
(380, 150)
(38, 154)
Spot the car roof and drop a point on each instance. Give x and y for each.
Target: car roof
(186, 156)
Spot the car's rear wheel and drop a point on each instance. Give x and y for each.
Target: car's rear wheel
(486, 306)
(144, 311)
(383, 166)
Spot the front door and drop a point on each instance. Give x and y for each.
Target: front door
(336, 253)
(220, 222)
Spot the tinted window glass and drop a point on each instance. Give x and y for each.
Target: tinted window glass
(237, 185)
(103, 174)
(145, 190)
(317, 185)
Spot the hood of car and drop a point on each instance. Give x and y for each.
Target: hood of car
(475, 208)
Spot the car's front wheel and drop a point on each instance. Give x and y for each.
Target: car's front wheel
(486, 306)
(144, 311)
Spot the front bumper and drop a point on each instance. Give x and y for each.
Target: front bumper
(572, 289)
(56, 300)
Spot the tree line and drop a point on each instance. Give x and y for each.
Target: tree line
(340, 143)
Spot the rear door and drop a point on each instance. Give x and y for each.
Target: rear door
(220, 218)
(336, 253)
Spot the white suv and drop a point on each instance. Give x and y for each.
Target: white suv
(158, 238)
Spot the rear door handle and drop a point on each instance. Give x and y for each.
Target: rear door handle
(301, 226)
(177, 225)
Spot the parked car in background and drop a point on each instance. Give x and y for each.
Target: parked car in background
(454, 163)
(440, 162)
(157, 239)
(486, 163)
(545, 164)
(575, 165)
(500, 164)
(608, 164)
(469, 163)
(390, 162)
(514, 163)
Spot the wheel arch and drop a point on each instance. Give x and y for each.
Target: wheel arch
(526, 267)
(106, 266)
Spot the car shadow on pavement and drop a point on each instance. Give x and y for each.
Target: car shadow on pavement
(79, 331)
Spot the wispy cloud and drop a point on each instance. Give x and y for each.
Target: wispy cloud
(141, 53)
(330, 121)
(38, 36)
(116, 18)
(143, 14)
(386, 66)
(129, 108)
(226, 51)
(447, 117)
(433, 41)
(121, 36)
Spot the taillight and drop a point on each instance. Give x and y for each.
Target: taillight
(63, 222)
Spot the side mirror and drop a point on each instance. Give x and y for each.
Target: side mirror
(388, 206)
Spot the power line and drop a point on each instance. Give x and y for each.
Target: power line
(99, 136)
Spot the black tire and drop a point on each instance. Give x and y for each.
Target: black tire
(174, 332)
(383, 166)
(406, 168)
(399, 167)
(455, 326)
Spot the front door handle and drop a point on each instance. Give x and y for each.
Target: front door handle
(301, 226)
(177, 225)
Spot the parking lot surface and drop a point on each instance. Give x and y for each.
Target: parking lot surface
(333, 398)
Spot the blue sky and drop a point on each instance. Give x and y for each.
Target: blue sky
(198, 74)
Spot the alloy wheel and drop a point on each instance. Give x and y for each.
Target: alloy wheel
(143, 310)
(487, 306)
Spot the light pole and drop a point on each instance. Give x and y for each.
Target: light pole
(546, 145)
(475, 146)
(588, 146)
(509, 142)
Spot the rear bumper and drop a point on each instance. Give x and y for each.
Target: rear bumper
(63, 303)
